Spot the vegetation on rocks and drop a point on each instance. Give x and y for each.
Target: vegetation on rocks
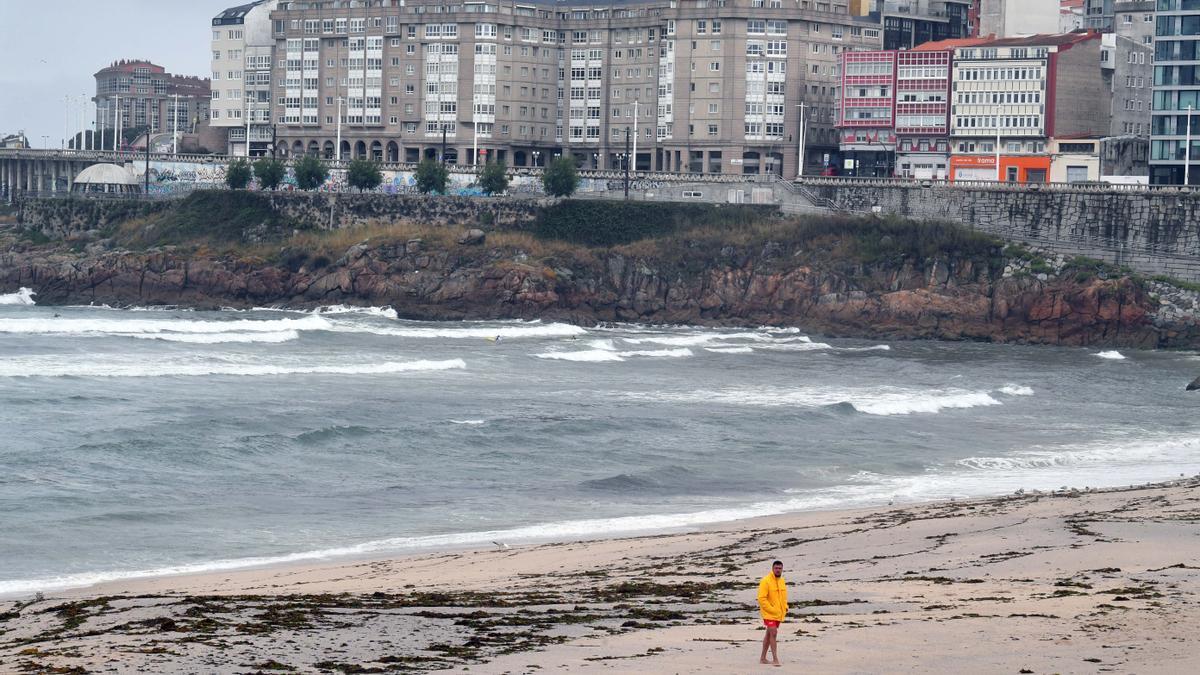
(208, 217)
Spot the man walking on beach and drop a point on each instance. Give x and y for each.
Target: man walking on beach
(772, 604)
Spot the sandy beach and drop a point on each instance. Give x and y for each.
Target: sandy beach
(1063, 582)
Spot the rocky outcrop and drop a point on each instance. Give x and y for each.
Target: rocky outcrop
(942, 299)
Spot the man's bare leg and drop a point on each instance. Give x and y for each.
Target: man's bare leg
(766, 645)
(774, 632)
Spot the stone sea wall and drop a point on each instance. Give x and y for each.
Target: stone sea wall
(1152, 232)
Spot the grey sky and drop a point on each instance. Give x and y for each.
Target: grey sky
(52, 49)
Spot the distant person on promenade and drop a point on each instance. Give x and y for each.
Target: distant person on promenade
(772, 604)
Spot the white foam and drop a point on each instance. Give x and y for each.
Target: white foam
(128, 327)
(682, 352)
(730, 350)
(605, 355)
(23, 296)
(882, 401)
(96, 367)
(606, 345)
(1112, 355)
(467, 331)
(589, 356)
(1106, 454)
(472, 423)
(382, 312)
(798, 346)
(220, 338)
(875, 348)
(1016, 390)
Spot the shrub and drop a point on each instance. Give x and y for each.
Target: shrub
(364, 174)
(432, 176)
(560, 178)
(310, 173)
(269, 172)
(494, 178)
(238, 175)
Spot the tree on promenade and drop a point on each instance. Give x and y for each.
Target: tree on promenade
(269, 172)
(310, 173)
(364, 174)
(432, 176)
(493, 180)
(238, 175)
(560, 178)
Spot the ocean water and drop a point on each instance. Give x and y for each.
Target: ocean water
(158, 441)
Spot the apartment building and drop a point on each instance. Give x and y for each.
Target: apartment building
(138, 93)
(895, 111)
(1176, 97)
(1012, 96)
(695, 85)
(243, 61)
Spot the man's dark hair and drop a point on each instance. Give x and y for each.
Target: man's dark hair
(777, 562)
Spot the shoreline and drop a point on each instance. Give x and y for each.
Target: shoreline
(318, 559)
(1048, 581)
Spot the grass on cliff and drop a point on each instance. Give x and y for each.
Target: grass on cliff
(209, 217)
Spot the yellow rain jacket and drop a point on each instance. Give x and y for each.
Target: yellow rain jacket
(772, 597)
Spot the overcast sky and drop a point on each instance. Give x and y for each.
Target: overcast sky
(50, 50)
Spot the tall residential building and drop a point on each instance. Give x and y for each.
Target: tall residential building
(1176, 94)
(695, 85)
(1128, 60)
(146, 95)
(1021, 93)
(1008, 18)
(243, 51)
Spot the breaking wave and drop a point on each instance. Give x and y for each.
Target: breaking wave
(131, 327)
(23, 296)
(1111, 355)
(605, 355)
(46, 367)
(884, 401)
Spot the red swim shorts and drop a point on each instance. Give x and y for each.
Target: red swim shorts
(770, 624)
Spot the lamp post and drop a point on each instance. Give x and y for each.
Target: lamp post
(175, 126)
(803, 130)
(626, 162)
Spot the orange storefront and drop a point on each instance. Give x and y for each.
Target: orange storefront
(1013, 168)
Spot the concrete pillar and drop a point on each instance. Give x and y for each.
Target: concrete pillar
(71, 176)
(54, 178)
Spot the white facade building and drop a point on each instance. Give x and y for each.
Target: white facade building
(243, 50)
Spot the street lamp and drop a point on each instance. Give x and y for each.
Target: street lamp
(45, 141)
(803, 130)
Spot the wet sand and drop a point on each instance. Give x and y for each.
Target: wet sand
(1063, 582)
